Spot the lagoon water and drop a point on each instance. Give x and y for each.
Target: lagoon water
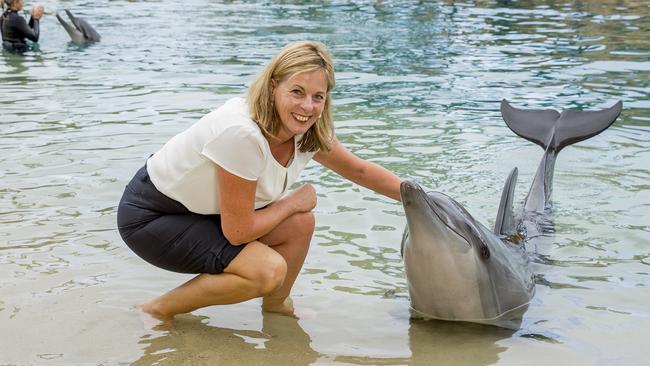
(418, 91)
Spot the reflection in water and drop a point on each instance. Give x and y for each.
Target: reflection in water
(282, 341)
(448, 343)
(435, 342)
(15, 66)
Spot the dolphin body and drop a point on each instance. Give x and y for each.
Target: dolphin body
(80, 31)
(459, 270)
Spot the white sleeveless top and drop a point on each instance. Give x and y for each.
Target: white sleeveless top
(185, 168)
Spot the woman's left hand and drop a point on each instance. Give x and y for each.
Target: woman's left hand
(37, 11)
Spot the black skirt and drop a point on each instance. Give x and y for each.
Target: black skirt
(166, 234)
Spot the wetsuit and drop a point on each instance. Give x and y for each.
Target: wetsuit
(15, 30)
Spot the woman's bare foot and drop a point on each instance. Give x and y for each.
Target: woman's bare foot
(151, 307)
(284, 307)
(154, 320)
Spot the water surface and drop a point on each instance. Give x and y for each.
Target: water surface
(418, 91)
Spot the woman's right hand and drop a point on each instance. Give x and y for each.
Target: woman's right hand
(302, 199)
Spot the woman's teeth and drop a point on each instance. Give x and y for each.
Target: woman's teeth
(301, 118)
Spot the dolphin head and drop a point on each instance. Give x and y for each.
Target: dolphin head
(456, 268)
(75, 34)
(442, 222)
(79, 31)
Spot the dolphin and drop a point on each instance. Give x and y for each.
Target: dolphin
(459, 270)
(80, 31)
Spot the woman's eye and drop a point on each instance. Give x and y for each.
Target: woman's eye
(296, 92)
(319, 98)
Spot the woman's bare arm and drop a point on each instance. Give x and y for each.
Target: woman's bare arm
(241, 223)
(370, 175)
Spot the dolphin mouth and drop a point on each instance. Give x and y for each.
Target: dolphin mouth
(411, 193)
(405, 189)
(69, 27)
(73, 20)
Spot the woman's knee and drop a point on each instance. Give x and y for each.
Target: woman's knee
(302, 223)
(268, 269)
(271, 274)
(261, 265)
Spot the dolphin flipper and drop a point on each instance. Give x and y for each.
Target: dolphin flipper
(551, 129)
(505, 222)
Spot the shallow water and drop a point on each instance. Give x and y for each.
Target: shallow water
(418, 92)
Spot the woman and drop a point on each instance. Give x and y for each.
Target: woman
(15, 29)
(213, 200)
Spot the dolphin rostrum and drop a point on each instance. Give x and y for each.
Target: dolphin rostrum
(459, 270)
(80, 31)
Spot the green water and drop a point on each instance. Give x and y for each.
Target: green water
(418, 91)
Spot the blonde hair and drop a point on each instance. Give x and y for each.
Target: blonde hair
(292, 59)
(9, 3)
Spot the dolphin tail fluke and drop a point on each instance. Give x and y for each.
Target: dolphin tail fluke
(505, 222)
(553, 130)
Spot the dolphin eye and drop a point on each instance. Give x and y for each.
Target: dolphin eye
(485, 252)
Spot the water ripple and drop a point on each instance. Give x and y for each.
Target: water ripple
(418, 91)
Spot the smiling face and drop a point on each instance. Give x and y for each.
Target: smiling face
(299, 101)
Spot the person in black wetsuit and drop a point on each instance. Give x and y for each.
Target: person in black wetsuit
(15, 30)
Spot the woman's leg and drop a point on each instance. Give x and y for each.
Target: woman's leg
(291, 239)
(266, 268)
(256, 271)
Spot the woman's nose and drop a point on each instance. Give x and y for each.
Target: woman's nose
(307, 104)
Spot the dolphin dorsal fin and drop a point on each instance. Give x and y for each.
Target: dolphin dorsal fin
(553, 130)
(505, 222)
